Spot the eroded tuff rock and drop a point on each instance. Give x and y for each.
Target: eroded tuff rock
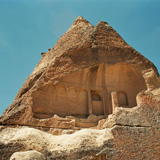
(90, 79)
(118, 142)
(28, 155)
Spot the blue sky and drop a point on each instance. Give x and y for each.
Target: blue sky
(29, 27)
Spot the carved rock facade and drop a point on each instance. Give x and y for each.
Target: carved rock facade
(93, 79)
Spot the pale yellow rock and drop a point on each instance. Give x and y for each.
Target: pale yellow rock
(28, 155)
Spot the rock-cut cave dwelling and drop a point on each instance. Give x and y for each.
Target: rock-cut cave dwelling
(88, 73)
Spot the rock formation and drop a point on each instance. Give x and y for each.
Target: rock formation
(90, 79)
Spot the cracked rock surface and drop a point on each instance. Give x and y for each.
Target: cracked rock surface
(124, 134)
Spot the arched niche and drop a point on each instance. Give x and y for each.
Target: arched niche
(43, 100)
(61, 90)
(72, 92)
(72, 97)
(83, 95)
(97, 108)
(122, 99)
(95, 96)
(126, 78)
(83, 102)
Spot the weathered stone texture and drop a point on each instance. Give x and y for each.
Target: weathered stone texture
(85, 66)
(28, 155)
(90, 79)
(134, 140)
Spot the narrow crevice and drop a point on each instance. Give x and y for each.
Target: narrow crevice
(137, 126)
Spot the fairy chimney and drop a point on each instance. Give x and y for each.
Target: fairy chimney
(89, 72)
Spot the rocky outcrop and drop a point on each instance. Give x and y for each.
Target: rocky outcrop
(85, 66)
(91, 97)
(127, 134)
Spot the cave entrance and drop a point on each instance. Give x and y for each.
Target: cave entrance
(122, 99)
(97, 107)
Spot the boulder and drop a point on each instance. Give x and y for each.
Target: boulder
(27, 155)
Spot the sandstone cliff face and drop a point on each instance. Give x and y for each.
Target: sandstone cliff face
(90, 79)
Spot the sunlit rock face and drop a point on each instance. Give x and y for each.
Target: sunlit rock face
(90, 79)
(73, 84)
